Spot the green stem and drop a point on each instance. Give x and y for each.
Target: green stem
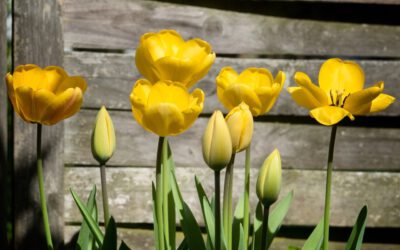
(328, 187)
(104, 193)
(246, 214)
(217, 211)
(159, 196)
(165, 189)
(265, 228)
(41, 188)
(227, 202)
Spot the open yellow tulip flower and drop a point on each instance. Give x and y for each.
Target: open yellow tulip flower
(165, 108)
(340, 93)
(166, 56)
(254, 86)
(44, 96)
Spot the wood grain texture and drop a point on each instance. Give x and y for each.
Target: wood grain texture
(38, 40)
(130, 194)
(301, 146)
(112, 76)
(143, 239)
(3, 124)
(391, 2)
(109, 24)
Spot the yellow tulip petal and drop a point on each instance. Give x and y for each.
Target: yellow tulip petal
(24, 100)
(381, 102)
(140, 92)
(145, 64)
(357, 101)
(280, 78)
(29, 75)
(42, 98)
(330, 115)
(54, 77)
(11, 92)
(163, 119)
(63, 106)
(303, 97)
(338, 75)
(71, 82)
(169, 92)
(267, 97)
(256, 77)
(304, 81)
(175, 69)
(195, 48)
(226, 77)
(237, 93)
(196, 101)
(201, 70)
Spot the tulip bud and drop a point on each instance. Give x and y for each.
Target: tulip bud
(103, 137)
(217, 144)
(240, 123)
(269, 179)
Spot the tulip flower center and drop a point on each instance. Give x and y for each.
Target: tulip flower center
(338, 97)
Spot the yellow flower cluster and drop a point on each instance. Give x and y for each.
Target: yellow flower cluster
(162, 103)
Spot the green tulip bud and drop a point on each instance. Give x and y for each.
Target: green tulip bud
(269, 179)
(103, 137)
(217, 143)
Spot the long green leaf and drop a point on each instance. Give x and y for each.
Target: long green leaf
(110, 238)
(189, 224)
(85, 238)
(257, 227)
(314, 241)
(155, 219)
(357, 234)
(123, 246)
(168, 205)
(208, 215)
(237, 224)
(242, 244)
(94, 228)
(183, 245)
(277, 215)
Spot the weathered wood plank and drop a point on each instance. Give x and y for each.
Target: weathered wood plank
(3, 124)
(130, 194)
(37, 39)
(112, 76)
(301, 146)
(143, 239)
(392, 2)
(118, 24)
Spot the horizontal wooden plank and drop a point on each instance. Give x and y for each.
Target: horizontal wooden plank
(110, 24)
(301, 146)
(143, 239)
(392, 2)
(112, 76)
(130, 194)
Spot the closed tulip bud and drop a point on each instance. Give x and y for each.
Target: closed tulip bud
(217, 144)
(269, 179)
(103, 137)
(240, 124)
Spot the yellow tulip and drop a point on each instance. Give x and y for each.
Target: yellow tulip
(240, 123)
(340, 93)
(269, 179)
(44, 96)
(166, 56)
(103, 137)
(165, 108)
(254, 86)
(217, 144)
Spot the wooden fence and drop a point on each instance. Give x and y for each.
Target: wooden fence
(97, 38)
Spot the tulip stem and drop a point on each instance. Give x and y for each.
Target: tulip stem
(159, 196)
(42, 194)
(165, 190)
(328, 187)
(265, 228)
(227, 202)
(104, 193)
(217, 211)
(246, 208)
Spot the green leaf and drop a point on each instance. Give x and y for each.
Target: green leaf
(209, 221)
(123, 246)
(257, 227)
(357, 234)
(94, 227)
(168, 202)
(293, 248)
(189, 224)
(155, 220)
(85, 238)
(241, 245)
(277, 215)
(110, 238)
(237, 223)
(314, 241)
(183, 245)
